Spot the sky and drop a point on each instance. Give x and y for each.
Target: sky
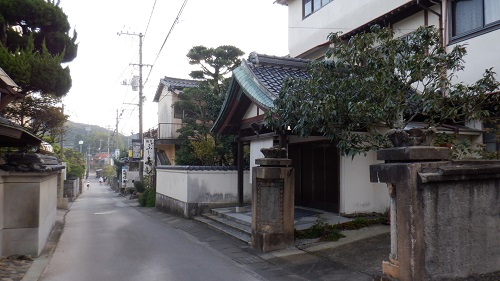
(105, 59)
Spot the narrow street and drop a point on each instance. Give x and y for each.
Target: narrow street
(106, 239)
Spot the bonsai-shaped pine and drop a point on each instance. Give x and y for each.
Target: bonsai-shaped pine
(374, 82)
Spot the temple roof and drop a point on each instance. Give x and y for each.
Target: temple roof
(258, 79)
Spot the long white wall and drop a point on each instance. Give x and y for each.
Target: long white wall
(192, 186)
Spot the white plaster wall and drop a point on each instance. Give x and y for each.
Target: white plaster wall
(164, 107)
(216, 186)
(482, 53)
(357, 193)
(202, 186)
(339, 15)
(48, 209)
(255, 146)
(251, 111)
(172, 183)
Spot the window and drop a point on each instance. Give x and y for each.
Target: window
(311, 6)
(468, 16)
(491, 138)
(178, 112)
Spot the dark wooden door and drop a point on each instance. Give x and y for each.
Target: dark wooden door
(317, 170)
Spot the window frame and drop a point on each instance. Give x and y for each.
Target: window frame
(483, 29)
(490, 138)
(313, 9)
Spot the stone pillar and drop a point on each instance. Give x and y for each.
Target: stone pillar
(444, 215)
(272, 202)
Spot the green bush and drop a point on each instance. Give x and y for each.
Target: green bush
(147, 198)
(75, 171)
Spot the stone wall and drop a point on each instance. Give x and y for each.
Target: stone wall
(445, 215)
(71, 189)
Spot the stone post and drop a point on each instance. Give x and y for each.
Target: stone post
(273, 201)
(444, 215)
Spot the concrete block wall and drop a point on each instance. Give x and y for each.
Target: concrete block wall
(29, 208)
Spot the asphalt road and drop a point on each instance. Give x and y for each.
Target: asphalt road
(106, 239)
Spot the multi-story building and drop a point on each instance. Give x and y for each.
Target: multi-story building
(324, 179)
(169, 117)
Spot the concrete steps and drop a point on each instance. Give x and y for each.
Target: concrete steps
(229, 225)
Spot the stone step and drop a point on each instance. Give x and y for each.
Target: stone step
(232, 222)
(236, 217)
(226, 226)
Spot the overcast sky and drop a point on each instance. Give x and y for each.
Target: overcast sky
(104, 58)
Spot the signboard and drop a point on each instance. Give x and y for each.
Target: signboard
(149, 155)
(136, 149)
(124, 176)
(117, 153)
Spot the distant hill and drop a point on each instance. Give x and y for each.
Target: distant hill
(77, 130)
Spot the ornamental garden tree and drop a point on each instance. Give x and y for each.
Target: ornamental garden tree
(373, 85)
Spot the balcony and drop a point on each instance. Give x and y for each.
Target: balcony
(167, 131)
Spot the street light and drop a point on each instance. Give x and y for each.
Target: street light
(80, 143)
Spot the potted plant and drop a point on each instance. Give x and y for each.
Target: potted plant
(373, 87)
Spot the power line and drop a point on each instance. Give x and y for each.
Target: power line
(149, 21)
(168, 35)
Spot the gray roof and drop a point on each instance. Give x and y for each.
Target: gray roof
(174, 84)
(260, 79)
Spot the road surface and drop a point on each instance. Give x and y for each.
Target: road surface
(106, 239)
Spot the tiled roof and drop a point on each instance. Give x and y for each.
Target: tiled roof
(174, 84)
(13, 135)
(260, 78)
(268, 73)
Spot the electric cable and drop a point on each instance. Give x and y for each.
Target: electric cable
(168, 35)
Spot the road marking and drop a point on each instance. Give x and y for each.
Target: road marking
(104, 213)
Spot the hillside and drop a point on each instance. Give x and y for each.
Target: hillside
(93, 137)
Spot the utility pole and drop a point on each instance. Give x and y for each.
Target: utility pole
(61, 150)
(141, 136)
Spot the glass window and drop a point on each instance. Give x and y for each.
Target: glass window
(317, 5)
(491, 138)
(311, 6)
(491, 11)
(307, 7)
(472, 15)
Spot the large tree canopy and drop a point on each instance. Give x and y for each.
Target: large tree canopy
(203, 105)
(215, 63)
(34, 41)
(375, 81)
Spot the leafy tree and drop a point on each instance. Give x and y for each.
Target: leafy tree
(109, 171)
(203, 105)
(40, 114)
(76, 163)
(34, 41)
(360, 90)
(214, 63)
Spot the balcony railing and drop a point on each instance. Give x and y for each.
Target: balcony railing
(168, 130)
